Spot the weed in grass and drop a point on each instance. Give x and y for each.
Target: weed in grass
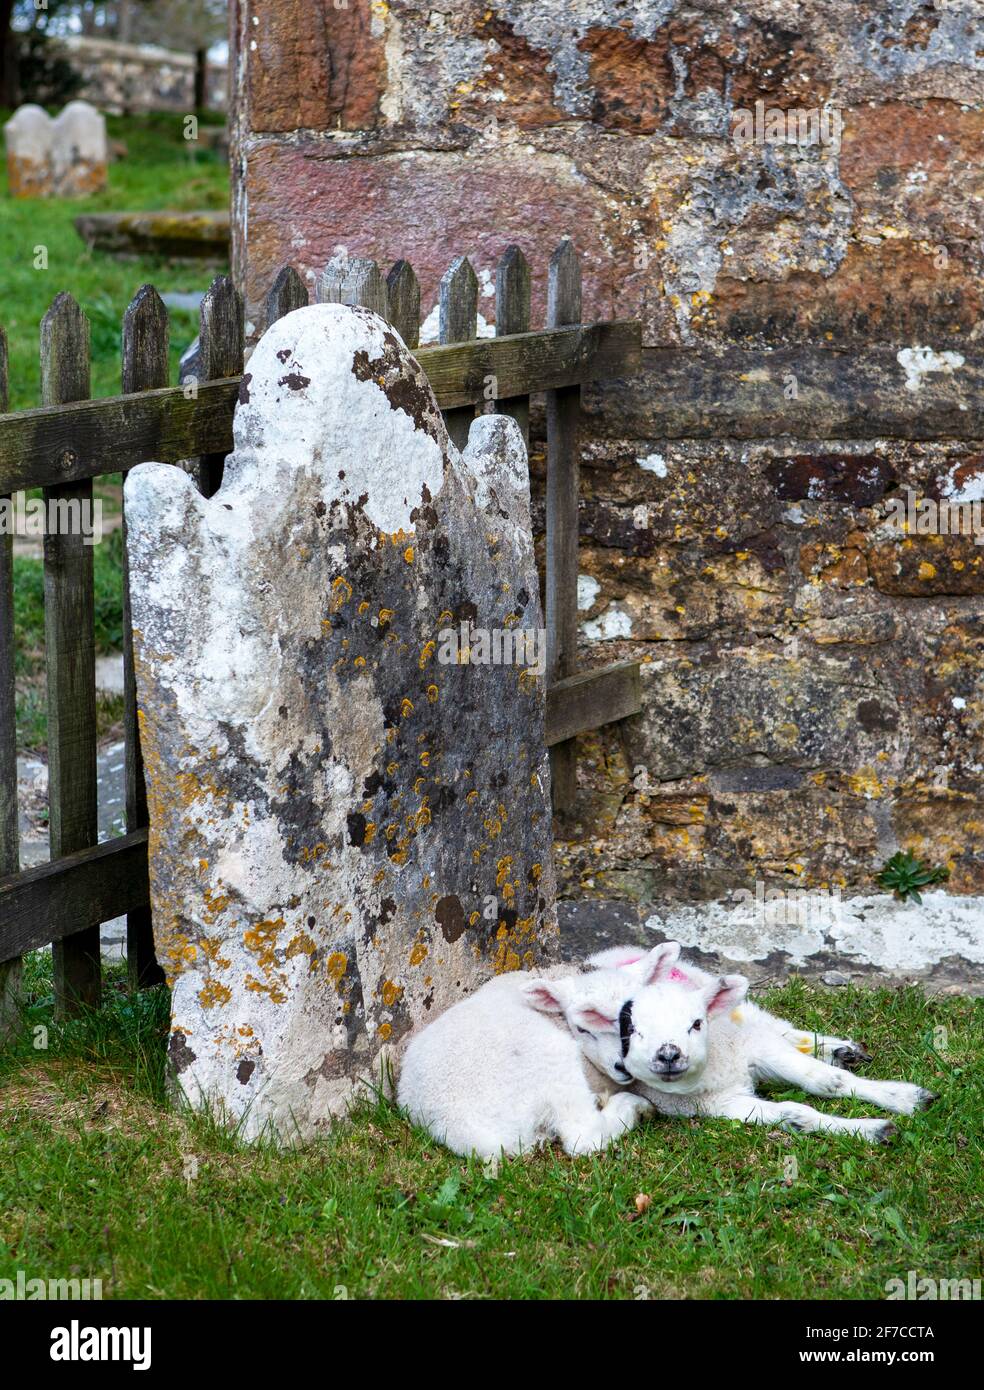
(905, 875)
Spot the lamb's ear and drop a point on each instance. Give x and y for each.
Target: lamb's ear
(618, 957)
(726, 992)
(547, 996)
(595, 1019)
(660, 962)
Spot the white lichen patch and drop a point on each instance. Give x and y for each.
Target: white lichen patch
(876, 930)
(304, 398)
(919, 362)
(588, 590)
(654, 463)
(613, 623)
(971, 489)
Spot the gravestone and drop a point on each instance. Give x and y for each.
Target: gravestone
(350, 828)
(27, 136)
(66, 157)
(79, 151)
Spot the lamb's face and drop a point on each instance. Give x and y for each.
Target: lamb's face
(666, 1037)
(595, 1020)
(591, 1005)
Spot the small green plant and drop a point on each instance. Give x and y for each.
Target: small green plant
(905, 875)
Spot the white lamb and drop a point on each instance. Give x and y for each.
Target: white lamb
(497, 1074)
(839, 1052)
(699, 1049)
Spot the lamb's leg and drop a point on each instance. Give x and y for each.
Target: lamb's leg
(583, 1128)
(752, 1110)
(839, 1052)
(784, 1063)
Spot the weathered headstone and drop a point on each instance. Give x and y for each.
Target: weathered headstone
(347, 834)
(79, 151)
(28, 136)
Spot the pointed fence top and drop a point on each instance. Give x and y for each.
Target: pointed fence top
(146, 339)
(65, 338)
(221, 321)
(287, 293)
(403, 289)
(564, 286)
(459, 302)
(512, 293)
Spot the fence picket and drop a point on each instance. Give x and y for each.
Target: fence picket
(563, 425)
(10, 971)
(354, 281)
(145, 342)
(365, 285)
(404, 302)
(328, 286)
(459, 324)
(222, 334)
(287, 293)
(69, 621)
(512, 315)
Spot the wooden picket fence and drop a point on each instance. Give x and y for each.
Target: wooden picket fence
(73, 439)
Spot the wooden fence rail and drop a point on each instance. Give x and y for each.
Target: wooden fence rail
(71, 440)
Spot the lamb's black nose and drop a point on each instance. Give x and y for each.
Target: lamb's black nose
(669, 1054)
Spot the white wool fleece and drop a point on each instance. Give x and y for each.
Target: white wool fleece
(495, 1074)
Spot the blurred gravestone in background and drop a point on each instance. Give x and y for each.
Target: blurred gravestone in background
(79, 151)
(65, 157)
(27, 136)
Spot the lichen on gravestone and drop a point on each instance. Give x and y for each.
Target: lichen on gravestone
(346, 835)
(27, 136)
(79, 151)
(66, 157)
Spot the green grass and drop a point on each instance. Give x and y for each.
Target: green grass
(161, 170)
(93, 1183)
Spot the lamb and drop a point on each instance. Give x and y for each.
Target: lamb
(839, 1052)
(699, 1050)
(505, 1069)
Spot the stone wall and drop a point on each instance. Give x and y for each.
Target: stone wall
(812, 680)
(130, 78)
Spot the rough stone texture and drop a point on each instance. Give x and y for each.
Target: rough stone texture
(346, 834)
(27, 136)
(814, 698)
(811, 680)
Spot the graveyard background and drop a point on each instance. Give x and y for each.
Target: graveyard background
(99, 1175)
(161, 170)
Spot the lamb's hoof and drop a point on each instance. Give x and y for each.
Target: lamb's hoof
(926, 1099)
(851, 1055)
(885, 1132)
